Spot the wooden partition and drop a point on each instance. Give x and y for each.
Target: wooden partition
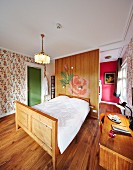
(86, 66)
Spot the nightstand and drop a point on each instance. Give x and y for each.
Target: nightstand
(93, 111)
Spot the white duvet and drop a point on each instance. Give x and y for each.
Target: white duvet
(70, 112)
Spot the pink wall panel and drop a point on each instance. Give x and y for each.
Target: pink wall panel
(108, 90)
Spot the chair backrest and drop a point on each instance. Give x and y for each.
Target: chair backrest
(102, 116)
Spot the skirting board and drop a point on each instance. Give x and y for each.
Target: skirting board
(6, 114)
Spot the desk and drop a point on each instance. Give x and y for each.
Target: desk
(116, 153)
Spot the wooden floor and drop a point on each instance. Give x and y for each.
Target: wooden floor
(18, 151)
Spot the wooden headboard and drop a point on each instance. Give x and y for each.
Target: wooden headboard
(86, 99)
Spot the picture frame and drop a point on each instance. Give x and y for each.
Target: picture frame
(109, 78)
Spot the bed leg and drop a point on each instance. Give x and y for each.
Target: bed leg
(76, 139)
(54, 163)
(16, 120)
(17, 127)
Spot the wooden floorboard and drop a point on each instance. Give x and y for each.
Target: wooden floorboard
(20, 151)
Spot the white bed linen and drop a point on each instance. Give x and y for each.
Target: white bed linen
(70, 117)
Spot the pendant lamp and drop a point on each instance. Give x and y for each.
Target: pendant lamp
(41, 57)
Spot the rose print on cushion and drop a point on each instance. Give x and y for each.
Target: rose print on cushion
(79, 86)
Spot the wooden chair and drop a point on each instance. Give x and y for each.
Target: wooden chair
(102, 115)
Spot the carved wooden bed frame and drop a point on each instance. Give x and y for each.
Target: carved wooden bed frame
(41, 127)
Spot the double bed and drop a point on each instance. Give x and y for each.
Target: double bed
(53, 124)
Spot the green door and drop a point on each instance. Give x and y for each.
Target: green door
(34, 86)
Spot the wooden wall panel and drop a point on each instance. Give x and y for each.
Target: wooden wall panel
(59, 67)
(85, 65)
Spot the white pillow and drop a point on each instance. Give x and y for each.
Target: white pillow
(60, 98)
(81, 105)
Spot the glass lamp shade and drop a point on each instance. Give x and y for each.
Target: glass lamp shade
(42, 58)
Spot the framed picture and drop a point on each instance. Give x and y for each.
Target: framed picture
(109, 78)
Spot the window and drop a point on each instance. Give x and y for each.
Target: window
(124, 83)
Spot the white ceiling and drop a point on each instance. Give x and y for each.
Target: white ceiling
(86, 25)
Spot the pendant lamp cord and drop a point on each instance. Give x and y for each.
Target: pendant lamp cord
(42, 35)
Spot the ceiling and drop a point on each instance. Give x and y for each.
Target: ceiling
(86, 25)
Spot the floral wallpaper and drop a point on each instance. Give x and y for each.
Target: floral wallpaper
(12, 79)
(78, 86)
(128, 56)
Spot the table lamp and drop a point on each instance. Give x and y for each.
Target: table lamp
(124, 104)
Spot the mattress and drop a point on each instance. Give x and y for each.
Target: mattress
(70, 112)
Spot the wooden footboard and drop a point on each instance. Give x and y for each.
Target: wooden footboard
(41, 127)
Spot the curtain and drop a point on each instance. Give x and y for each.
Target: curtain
(45, 86)
(118, 79)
